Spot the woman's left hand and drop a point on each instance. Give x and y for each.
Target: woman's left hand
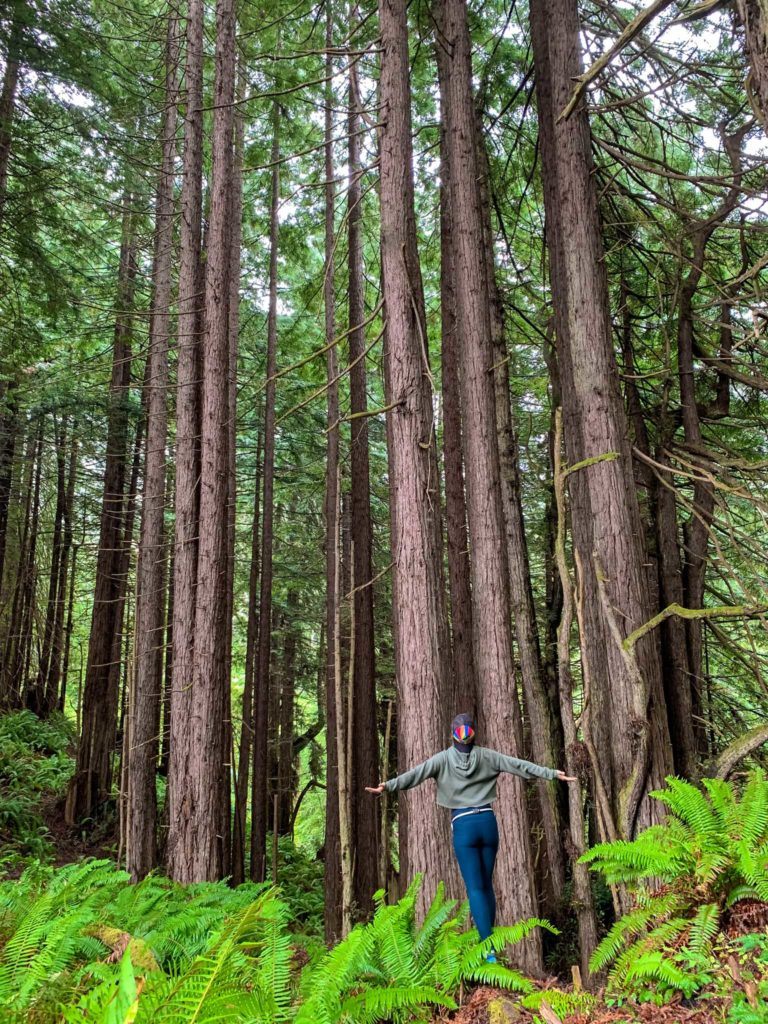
(566, 778)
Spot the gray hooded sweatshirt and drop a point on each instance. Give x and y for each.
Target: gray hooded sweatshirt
(467, 780)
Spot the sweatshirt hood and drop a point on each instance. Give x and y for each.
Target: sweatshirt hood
(462, 763)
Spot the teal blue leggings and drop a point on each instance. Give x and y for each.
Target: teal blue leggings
(475, 843)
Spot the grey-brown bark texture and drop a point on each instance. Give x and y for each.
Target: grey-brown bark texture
(90, 785)
(260, 814)
(627, 715)
(186, 504)
(499, 710)
(204, 837)
(144, 707)
(365, 748)
(420, 625)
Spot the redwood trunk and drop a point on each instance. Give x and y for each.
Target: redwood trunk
(629, 721)
(364, 765)
(420, 623)
(187, 456)
(260, 813)
(144, 709)
(91, 783)
(203, 841)
(499, 711)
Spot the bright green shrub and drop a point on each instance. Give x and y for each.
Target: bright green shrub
(711, 851)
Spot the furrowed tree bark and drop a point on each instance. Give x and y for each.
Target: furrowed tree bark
(334, 716)
(144, 711)
(420, 623)
(499, 711)
(365, 749)
(582, 887)
(187, 457)
(91, 783)
(203, 839)
(543, 739)
(260, 813)
(628, 713)
(464, 695)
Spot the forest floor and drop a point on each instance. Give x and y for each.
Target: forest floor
(490, 1006)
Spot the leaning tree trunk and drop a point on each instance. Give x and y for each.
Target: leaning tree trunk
(420, 623)
(203, 842)
(365, 749)
(187, 457)
(144, 708)
(91, 783)
(499, 711)
(259, 809)
(627, 711)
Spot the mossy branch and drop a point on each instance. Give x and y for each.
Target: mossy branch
(722, 611)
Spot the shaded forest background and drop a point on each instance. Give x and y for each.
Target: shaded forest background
(345, 385)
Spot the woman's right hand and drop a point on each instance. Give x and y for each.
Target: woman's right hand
(378, 790)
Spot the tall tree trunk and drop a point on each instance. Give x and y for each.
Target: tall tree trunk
(228, 579)
(90, 785)
(26, 488)
(41, 698)
(334, 715)
(251, 646)
(9, 429)
(626, 696)
(8, 103)
(365, 750)
(144, 709)
(499, 711)
(52, 695)
(260, 815)
(187, 454)
(544, 741)
(202, 840)
(464, 695)
(420, 623)
(286, 781)
(28, 601)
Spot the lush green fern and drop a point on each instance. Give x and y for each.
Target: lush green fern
(710, 852)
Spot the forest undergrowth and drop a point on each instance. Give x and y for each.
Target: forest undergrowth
(80, 943)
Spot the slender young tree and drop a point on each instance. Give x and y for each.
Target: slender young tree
(365, 749)
(259, 811)
(334, 714)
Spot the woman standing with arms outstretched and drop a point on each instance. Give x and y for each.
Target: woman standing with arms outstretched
(466, 778)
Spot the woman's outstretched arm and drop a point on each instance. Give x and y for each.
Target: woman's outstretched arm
(413, 777)
(527, 769)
